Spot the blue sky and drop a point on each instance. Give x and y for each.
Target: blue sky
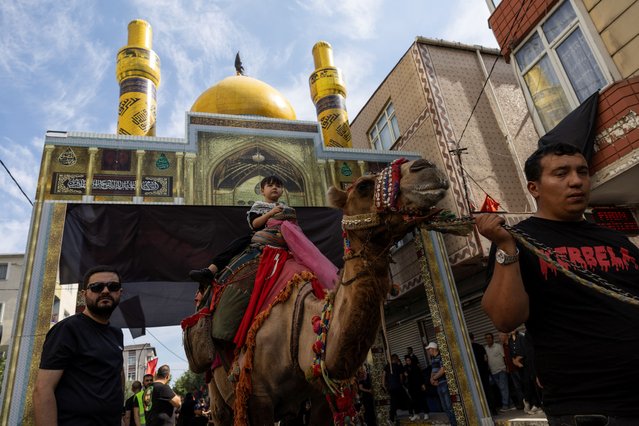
(57, 68)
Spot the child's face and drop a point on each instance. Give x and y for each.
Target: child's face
(272, 192)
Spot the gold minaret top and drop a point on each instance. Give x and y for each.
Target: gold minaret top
(328, 93)
(138, 73)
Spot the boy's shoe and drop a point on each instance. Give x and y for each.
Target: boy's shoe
(413, 417)
(203, 275)
(535, 410)
(526, 406)
(508, 408)
(425, 416)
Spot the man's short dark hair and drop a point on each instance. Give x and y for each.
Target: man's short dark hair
(163, 372)
(532, 168)
(147, 375)
(136, 386)
(489, 334)
(95, 270)
(274, 180)
(471, 335)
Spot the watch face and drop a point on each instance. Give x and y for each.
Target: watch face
(500, 256)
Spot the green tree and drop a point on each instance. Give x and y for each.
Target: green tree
(188, 382)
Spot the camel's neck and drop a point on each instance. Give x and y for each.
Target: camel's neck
(356, 313)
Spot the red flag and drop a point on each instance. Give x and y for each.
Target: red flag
(490, 205)
(150, 366)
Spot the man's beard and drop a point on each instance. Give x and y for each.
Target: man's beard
(103, 311)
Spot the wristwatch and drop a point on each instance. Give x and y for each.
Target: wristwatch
(504, 258)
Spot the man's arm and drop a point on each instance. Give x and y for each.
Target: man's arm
(44, 403)
(505, 300)
(439, 373)
(175, 401)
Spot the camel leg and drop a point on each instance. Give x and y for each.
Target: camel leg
(260, 411)
(219, 395)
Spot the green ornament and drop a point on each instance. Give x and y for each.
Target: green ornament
(346, 171)
(162, 163)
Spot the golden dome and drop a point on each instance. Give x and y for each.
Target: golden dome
(242, 95)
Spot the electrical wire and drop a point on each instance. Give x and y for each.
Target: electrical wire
(481, 92)
(16, 182)
(165, 347)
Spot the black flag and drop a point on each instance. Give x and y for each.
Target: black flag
(577, 128)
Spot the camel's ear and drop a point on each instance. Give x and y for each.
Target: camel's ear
(336, 197)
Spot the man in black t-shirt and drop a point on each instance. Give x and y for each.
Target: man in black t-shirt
(132, 416)
(80, 380)
(160, 401)
(566, 319)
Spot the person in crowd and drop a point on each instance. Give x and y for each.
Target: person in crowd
(438, 378)
(138, 407)
(411, 354)
(131, 417)
(187, 411)
(416, 388)
(160, 401)
(393, 385)
(484, 372)
(365, 387)
(568, 320)
(511, 344)
(523, 354)
(497, 366)
(80, 380)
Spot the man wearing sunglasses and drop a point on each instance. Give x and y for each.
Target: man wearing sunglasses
(80, 380)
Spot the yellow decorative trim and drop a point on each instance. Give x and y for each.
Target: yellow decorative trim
(443, 326)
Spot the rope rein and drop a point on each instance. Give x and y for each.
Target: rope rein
(557, 260)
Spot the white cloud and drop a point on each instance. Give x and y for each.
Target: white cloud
(470, 25)
(353, 19)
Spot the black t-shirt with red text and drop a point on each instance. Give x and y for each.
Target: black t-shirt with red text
(586, 343)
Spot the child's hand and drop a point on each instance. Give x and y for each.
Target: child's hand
(275, 210)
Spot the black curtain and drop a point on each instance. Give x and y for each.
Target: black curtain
(154, 247)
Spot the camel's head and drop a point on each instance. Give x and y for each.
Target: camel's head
(401, 193)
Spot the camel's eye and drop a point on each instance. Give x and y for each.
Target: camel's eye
(365, 187)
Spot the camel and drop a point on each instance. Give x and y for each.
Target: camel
(283, 352)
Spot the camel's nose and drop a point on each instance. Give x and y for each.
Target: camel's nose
(421, 164)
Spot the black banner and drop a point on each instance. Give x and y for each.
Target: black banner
(154, 247)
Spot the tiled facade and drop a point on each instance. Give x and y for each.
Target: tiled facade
(433, 89)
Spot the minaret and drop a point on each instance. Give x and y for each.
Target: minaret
(328, 93)
(138, 73)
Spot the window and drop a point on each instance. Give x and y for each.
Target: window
(4, 267)
(385, 131)
(558, 66)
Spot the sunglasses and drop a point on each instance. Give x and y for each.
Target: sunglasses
(113, 286)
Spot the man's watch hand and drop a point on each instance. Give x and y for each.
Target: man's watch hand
(504, 258)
